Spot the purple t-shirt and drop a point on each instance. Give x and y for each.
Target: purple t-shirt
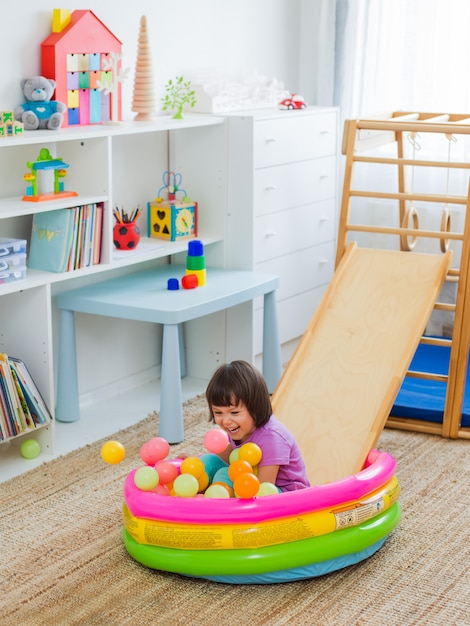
(279, 447)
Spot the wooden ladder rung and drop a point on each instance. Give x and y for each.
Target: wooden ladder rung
(442, 378)
(409, 232)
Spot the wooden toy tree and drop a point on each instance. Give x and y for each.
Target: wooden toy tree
(143, 100)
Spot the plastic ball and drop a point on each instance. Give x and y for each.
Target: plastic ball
(234, 455)
(154, 450)
(146, 478)
(216, 491)
(192, 465)
(162, 490)
(30, 449)
(250, 452)
(267, 489)
(113, 452)
(239, 467)
(226, 486)
(216, 440)
(203, 482)
(221, 476)
(246, 485)
(167, 471)
(186, 486)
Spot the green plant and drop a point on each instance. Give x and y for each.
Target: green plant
(178, 93)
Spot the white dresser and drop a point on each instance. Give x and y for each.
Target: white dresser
(282, 203)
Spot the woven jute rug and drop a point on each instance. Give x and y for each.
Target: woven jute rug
(62, 561)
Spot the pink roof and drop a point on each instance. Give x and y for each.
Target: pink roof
(85, 33)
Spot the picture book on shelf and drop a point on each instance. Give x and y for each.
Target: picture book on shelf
(66, 239)
(51, 238)
(21, 406)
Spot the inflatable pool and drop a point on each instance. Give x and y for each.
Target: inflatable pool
(276, 538)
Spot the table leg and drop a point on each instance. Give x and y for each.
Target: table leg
(272, 361)
(68, 403)
(171, 397)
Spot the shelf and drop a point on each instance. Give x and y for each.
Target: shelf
(16, 207)
(74, 133)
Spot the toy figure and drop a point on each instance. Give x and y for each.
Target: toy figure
(40, 111)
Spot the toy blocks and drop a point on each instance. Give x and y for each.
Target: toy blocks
(9, 127)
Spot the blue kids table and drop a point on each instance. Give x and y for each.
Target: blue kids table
(144, 296)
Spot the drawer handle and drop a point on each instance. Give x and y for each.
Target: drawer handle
(270, 139)
(324, 218)
(323, 176)
(270, 187)
(323, 262)
(324, 132)
(270, 233)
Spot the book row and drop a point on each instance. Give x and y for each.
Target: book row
(66, 239)
(21, 406)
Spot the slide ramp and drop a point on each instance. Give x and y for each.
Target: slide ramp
(340, 385)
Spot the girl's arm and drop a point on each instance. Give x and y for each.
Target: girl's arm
(268, 473)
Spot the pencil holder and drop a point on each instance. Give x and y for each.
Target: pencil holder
(126, 235)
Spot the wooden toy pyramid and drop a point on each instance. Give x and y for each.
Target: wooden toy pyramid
(143, 100)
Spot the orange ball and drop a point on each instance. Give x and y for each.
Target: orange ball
(227, 487)
(246, 485)
(238, 467)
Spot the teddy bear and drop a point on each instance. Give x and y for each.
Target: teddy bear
(39, 110)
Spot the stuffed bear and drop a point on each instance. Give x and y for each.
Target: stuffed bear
(39, 110)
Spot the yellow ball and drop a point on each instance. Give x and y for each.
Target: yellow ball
(113, 452)
(250, 452)
(192, 465)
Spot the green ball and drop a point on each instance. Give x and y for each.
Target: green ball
(30, 448)
(146, 478)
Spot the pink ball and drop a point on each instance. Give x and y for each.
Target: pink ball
(162, 490)
(216, 440)
(167, 471)
(156, 449)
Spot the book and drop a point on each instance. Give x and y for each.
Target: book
(10, 396)
(51, 240)
(66, 239)
(36, 404)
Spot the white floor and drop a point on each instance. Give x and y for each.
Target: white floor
(97, 421)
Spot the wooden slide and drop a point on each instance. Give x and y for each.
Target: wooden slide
(340, 385)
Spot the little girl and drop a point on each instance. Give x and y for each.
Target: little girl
(240, 404)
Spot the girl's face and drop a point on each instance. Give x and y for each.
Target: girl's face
(235, 420)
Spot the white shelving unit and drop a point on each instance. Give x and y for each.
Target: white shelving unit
(118, 165)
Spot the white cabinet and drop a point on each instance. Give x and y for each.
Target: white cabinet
(118, 165)
(282, 189)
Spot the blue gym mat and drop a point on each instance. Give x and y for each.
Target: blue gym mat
(424, 399)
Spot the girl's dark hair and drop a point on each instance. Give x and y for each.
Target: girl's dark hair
(239, 382)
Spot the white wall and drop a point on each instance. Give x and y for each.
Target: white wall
(186, 38)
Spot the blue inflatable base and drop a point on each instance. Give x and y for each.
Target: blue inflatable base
(425, 399)
(299, 573)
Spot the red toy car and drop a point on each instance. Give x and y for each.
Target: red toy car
(294, 101)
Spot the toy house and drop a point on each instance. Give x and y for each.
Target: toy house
(83, 57)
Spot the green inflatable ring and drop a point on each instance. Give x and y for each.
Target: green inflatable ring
(266, 559)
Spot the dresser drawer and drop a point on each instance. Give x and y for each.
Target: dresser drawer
(294, 317)
(287, 231)
(283, 186)
(300, 271)
(297, 137)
